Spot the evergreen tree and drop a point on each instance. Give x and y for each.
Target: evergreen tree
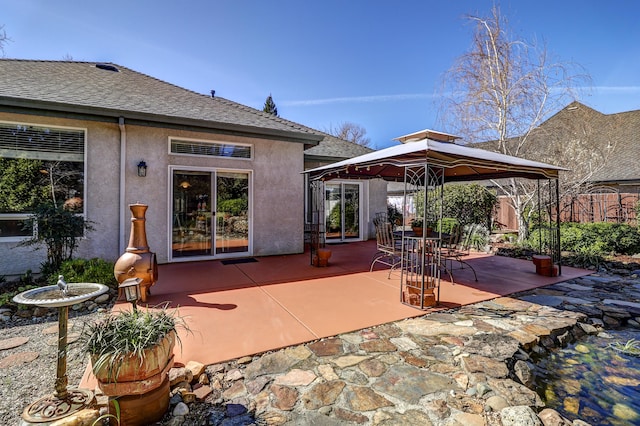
(270, 106)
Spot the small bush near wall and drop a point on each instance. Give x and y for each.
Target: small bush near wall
(86, 271)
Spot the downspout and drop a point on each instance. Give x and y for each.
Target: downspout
(123, 168)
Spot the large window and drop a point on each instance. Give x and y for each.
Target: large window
(38, 164)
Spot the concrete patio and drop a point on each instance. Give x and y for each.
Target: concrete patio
(239, 309)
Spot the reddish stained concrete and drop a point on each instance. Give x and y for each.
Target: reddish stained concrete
(248, 308)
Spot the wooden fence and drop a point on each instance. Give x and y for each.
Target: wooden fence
(592, 207)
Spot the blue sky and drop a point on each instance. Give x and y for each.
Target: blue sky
(375, 63)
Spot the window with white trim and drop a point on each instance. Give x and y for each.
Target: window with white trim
(38, 164)
(209, 148)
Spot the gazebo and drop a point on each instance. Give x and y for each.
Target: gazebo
(425, 161)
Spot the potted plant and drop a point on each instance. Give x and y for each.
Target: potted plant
(131, 353)
(417, 226)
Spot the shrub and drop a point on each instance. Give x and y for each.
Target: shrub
(447, 224)
(86, 271)
(335, 216)
(6, 297)
(59, 230)
(467, 203)
(600, 238)
(591, 239)
(479, 238)
(235, 206)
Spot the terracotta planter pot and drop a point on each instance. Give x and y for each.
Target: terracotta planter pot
(141, 388)
(130, 376)
(139, 410)
(411, 296)
(323, 257)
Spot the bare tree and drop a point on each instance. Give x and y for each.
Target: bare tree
(4, 39)
(501, 90)
(350, 132)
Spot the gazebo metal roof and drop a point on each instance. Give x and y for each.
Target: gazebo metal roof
(461, 163)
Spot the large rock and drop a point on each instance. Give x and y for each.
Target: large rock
(196, 368)
(411, 384)
(322, 394)
(425, 327)
(515, 393)
(273, 363)
(494, 346)
(408, 418)
(550, 417)
(519, 416)
(361, 398)
(178, 375)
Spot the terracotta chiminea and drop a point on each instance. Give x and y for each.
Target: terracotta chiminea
(138, 261)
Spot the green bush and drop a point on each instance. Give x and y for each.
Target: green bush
(235, 206)
(591, 239)
(538, 240)
(447, 224)
(6, 298)
(479, 238)
(86, 271)
(467, 203)
(335, 217)
(60, 230)
(600, 238)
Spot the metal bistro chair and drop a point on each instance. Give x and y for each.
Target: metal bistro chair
(456, 248)
(389, 248)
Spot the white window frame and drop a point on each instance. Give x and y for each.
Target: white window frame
(27, 215)
(210, 142)
(17, 216)
(170, 197)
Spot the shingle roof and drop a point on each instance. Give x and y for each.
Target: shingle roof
(340, 149)
(614, 137)
(66, 85)
(624, 162)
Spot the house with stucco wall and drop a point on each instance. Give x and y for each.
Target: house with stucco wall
(221, 179)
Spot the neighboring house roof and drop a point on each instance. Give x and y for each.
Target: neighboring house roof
(615, 138)
(624, 162)
(98, 91)
(335, 149)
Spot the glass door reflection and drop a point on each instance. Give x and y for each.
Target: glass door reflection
(232, 212)
(191, 229)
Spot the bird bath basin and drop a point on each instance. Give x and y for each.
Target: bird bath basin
(63, 402)
(51, 296)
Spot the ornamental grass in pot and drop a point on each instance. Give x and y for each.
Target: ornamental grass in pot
(131, 353)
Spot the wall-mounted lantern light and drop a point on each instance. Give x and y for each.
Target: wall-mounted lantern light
(142, 168)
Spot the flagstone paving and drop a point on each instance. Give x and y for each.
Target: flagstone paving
(466, 366)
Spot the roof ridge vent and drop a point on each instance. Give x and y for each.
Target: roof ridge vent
(107, 67)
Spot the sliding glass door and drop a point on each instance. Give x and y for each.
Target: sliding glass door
(342, 211)
(210, 213)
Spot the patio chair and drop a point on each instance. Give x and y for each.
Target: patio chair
(456, 248)
(389, 248)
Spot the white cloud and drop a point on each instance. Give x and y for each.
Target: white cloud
(359, 99)
(617, 89)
